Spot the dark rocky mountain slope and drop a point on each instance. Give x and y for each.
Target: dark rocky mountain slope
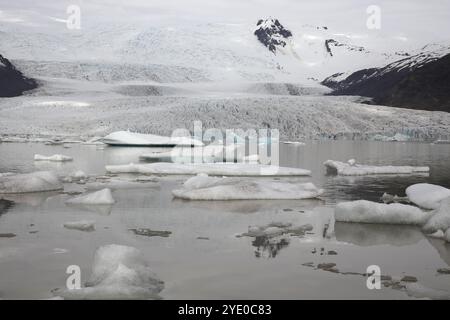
(418, 82)
(12, 82)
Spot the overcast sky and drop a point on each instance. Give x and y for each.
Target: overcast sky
(429, 20)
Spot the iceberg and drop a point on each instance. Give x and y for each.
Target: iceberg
(427, 196)
(352, 169)
(118, 272)
(39, 181)
(440, 219)
(364, 211)
(55, 157)
(126, 138)
(214, 169)
(82, 225)
(103, 196)
(212, 188)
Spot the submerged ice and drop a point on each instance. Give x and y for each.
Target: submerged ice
(118, 272)
(100, 197)
(39, 181)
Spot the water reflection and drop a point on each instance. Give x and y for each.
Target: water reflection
(5, 205)
(32, 199)
(269, 247)
(100, 209)
(442, 247)
(366, 235)
(252, 206)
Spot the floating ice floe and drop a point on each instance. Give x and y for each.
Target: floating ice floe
(215, 169)
(118, 272)
(297, 143)
(275, 229)
(39, 181)
(126, 138)
(352, 169)
(203, 187)
(364, 211)
(82, 225)
(77, 176)
(99, 197)
(55, 157)
(427, 196)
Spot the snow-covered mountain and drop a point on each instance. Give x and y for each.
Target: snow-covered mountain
(265, 50)
(419, 81)
(272, 34)
(12, 82)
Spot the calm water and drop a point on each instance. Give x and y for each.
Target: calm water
(224, 266)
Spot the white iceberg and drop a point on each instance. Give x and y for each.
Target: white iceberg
(55, 157)
(118, 272)
(440, 219)
(96, 198)
(39, 181)
(82, 225)
(427, 196)
(126, 138)
(364, 211)
(215, 169)
(212, 188)
(352, 169)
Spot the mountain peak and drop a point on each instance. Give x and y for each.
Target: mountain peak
(272, 34)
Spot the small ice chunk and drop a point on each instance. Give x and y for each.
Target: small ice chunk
(348, 169)
(364, 211)
(214, 169)
(118, 272)
(351, 162)
(82, 225)
(55, 157)
(427, 196)
(39, 181)
(212, 188)
(103, 196)
(275, 229)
